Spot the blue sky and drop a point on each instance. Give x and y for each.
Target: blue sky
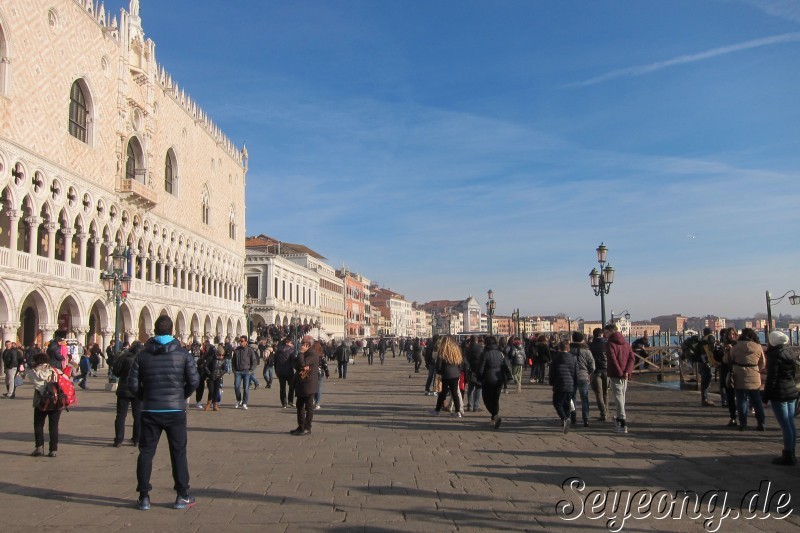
(444, 148)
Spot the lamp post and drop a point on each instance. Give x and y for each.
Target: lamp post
(117, 285)
(794, 299)
(490, 307)
(627, 317)
(515, 319)
(249, 302)
(570, 320)
(602, 279)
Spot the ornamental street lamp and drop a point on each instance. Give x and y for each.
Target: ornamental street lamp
(602, 279)
(794, 299)
(117, 285)
(249, 303)
(570, 320)
(490, 307)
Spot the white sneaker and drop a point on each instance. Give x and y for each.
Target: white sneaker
(244, 406)
(238, 405)
(318, 407)
(622, 429)
(199, 405)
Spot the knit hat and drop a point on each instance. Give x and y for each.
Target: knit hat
(776, 338)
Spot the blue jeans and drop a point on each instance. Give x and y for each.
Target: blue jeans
(743, 399)
(269, 374)
(238, 377)
(474, 395)
(318, 396)
(784, 413)
(583, 389)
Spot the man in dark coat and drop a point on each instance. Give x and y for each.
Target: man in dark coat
(163, 376)
(307, 366)
(125, 398)
(563, 379)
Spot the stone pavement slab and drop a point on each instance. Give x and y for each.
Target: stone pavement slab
(377, 461)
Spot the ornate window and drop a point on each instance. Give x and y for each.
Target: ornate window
(232, 224)
(5, 62)
(170, 176)
(204, 209)
(130, 163)
(78, 113)
(134, 161)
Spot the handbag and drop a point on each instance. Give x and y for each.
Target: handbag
(18, 381)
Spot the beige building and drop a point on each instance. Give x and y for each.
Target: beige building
(100, 147)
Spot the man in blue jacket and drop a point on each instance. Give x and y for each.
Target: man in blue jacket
(163, 376)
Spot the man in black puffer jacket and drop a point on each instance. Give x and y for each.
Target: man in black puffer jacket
(563, 378)
(163, 376)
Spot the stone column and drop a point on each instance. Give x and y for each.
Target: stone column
(129, 336)
(9, 331)
(162, 271)
(82, 237)
(143, 266)
(94, 241)
(51, 228)
(33, 227)
(47, 333)
(13, 227)
(106, 336)
(67, 233)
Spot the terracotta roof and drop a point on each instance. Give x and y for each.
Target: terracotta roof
(287, 248)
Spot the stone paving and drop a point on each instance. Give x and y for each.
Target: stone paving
(377, 461)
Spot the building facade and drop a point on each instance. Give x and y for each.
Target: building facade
(100, 148)
(357, 307)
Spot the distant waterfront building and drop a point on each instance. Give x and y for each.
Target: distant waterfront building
(673, 323)
(714, 323)
(100, 148)
(292, 282)
(638, 329)
(456, 316)
(393, 307)
(357, 306)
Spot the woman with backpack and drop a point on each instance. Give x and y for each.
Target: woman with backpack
(42, 374)
(517, 358)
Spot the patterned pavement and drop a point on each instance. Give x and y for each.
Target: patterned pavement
(377, 461)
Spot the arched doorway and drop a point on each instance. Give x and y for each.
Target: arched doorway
(30, 327)
(145, 325)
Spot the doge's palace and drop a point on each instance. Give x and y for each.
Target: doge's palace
(100, 147)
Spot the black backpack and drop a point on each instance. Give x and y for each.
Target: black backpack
(692, 349)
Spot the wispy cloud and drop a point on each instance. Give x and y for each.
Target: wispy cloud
(787, 9)
(640, 70)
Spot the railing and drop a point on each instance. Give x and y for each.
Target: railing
(41, 265)
(60, 270)
(5, 257)
(140, 192)
(24, 261)
(75, 272)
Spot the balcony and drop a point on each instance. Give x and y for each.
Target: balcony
(136, 191)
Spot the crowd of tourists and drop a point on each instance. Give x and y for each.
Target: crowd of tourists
(157, 378)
